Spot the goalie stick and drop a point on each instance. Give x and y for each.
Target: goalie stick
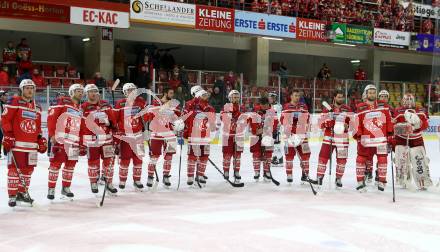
(329, 108)
(223, 175)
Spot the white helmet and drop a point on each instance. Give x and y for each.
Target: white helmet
(26, 82)
(195, 89)
(368, 87)
(128, 86)
(90, 87)
(233, 92)
(384, 92)
(200, 92)
(74, 87)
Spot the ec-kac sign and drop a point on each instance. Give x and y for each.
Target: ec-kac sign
(98, 17)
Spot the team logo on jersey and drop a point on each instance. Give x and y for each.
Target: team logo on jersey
(73, 112)
(28, 126)
(131, 111)
(372, 115)
(100, 115)
(29, 114)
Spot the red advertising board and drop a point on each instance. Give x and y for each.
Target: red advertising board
(310, 29)
(214, 18)
(34, 11)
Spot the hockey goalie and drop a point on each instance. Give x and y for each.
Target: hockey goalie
(411, 160)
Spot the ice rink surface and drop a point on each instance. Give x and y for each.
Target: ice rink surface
(258, 217)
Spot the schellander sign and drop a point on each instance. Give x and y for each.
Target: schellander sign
(163, 12)
(214, 18)
(98, 17)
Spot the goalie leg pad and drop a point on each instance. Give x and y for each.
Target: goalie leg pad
(420, 165)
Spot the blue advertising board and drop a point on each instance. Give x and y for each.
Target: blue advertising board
(265, 24)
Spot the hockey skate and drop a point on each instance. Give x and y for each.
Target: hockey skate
(338, 183)
(317, 182)
(267, 177)
(25, 198)
(150, 181)
(138, 186)
(237, 177)
(66, 193)
(201, 180)
(226, 175)
(94, 187)
(304, 179)
(111, 189)
(12, 201)
(190, 181)
(361, 186)
(166, 181)
(257, 176)
(381, 186)
(51, 193)
(289, 178)
(369, 177)
(121, 184)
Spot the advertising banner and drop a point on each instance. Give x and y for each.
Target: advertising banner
(214, 18)
(98, 17)
(309, 29)
(359, 35)
(35, 11)
(423, 10)
(163, 12)
(391, 38)
(264, 24)
(339, 31)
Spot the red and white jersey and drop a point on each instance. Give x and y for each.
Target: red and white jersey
(295, 119)
(128, 124)
(22, 119)
(98, 123)
(373, 123)
(160, 118)
(201, 120)
(423, 115)
(9, 56)
(338, 114)
(230, 116)
(64, 121)
(263, 119)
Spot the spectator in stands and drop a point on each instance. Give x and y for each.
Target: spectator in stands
(184, 79)
(230, 81)
(4, 76)
(216, 99)
(100, 82)
(175, 82)
(23, 49)
(181, 95)
(141, 56)
(120, 61)
(324, 72)
(25, 65)
(156, 59)
(37, 78)
(220, 83)
(360, 74)
(167, 60)
(143, 79)
(427, 26)
(10, 58)
(283, 72)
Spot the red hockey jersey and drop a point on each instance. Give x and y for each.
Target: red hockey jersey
(22, 119)
(98, 123)
(160, 118)
(373, 124)
(9, 56)
(417, 133)
(125, 112)
(230, 117)
(295, 119)
(263, 120)
(64, 121)
(200, 121)
(338, 114)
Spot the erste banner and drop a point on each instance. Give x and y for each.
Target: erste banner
(265, 24)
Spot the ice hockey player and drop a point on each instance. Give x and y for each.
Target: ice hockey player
(295, 119)
(384, 96)
(335, 123)
(233, 134)
(200, 122)
(97, 131)
(411, 159)
(277, 158)
(263, 125)
(21, 125)
(63, 125)
(130, 134)
(374, 131)
(164, 124)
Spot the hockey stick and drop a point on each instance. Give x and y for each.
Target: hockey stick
(311, 186)
(106, 183)
(21, 179)
(392, 177)
(180, 166)
(115, 85)
(271, 177)
(223, 175)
